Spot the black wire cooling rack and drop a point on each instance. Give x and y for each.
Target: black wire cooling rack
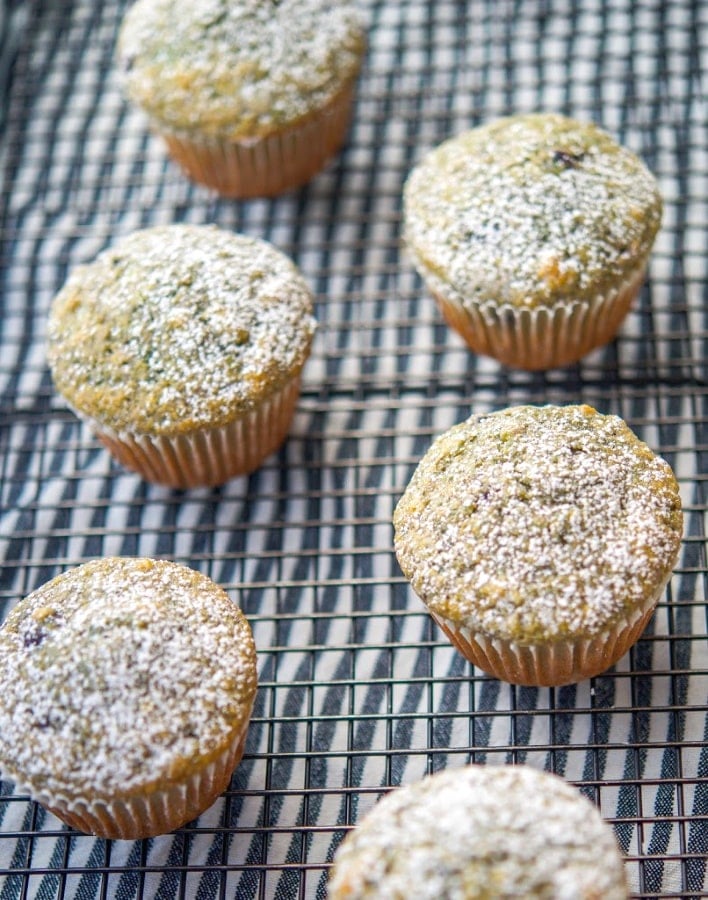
(358, 691)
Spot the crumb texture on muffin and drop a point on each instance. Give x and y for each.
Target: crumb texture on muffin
(531, 211)
(477, 833)
(179, 327)
(121, 676)
(238, 69)
(538, 523)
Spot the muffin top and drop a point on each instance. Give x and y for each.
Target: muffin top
(478, 833)
(530, 211)
(535, 524)
(238, 69)
(120, 675)
(177, 328)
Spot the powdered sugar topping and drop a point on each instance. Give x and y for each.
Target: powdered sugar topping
(531, 211)
(538, 523)
(120, 674)
(481, 832)
(179, 327)
(238, 69)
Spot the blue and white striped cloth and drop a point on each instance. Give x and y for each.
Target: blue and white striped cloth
(358, 691)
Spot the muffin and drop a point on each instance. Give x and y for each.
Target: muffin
(183, 346)
(533, 234)
(251, 98)
(540, 539)
(128, 685)
(481, 832)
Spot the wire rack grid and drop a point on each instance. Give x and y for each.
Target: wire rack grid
(358, 691)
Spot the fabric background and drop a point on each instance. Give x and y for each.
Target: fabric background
(358, 690)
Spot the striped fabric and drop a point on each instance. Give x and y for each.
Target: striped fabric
(358, 691)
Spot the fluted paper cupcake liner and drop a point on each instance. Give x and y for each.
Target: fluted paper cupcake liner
(270, 165)
(541, 338)
(157, 812)
(554, 663)
(210, 456)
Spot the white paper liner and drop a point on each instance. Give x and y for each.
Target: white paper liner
(554, 663)
(163, 810)
(211, 456)
(541, 338)
(270, 165)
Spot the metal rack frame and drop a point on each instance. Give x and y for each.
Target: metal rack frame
(358, 691)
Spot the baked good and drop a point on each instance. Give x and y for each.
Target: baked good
(183, 346)
(533, 234)
(540, 539)
(127, 690)
(481, 832)
(251, 98)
